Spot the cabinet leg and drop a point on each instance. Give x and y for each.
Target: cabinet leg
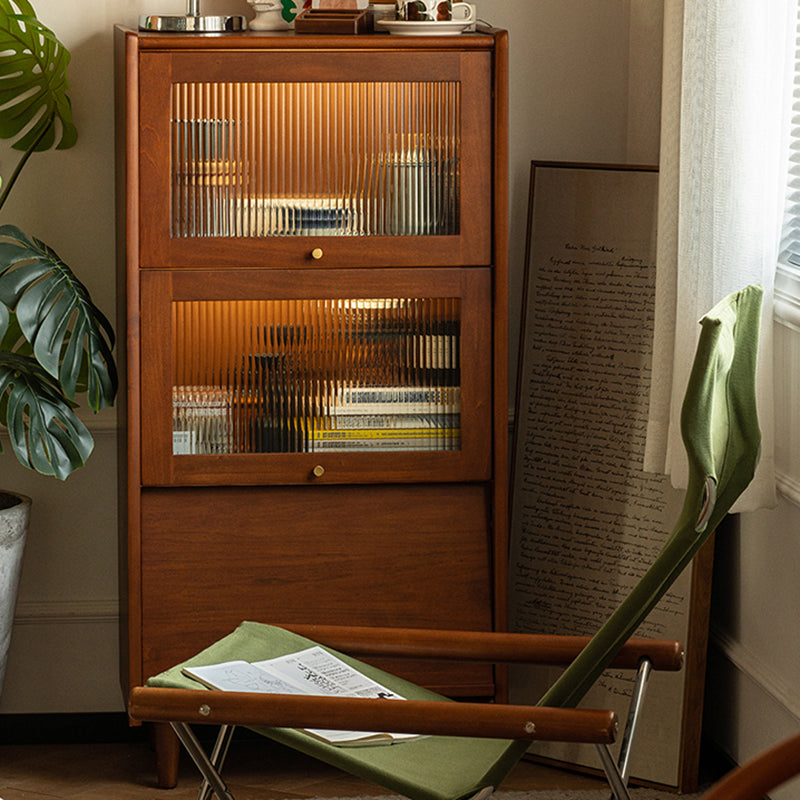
(168, 751)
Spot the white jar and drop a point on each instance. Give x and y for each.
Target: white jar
(269, 16)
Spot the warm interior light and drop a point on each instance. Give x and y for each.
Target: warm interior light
(310, 375)
(299, 159)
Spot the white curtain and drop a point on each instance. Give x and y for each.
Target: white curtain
(723, 158)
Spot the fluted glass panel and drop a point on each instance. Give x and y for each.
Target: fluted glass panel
(293, 376)
(304, 159)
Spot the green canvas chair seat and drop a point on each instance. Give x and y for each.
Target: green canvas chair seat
(721, 435)
(433, 768)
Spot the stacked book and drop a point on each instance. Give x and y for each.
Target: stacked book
(391, 418)
(354, 376)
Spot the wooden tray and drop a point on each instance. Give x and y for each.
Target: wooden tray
(329, 20)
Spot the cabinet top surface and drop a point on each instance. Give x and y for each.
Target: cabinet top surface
(484, 39)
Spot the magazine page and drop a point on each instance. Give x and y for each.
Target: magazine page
(323, 673)
(241, 676)
(310, 672)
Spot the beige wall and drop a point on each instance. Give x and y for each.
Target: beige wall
(582, 89)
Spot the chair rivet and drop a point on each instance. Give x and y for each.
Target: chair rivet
(530, 727)
(205, 710)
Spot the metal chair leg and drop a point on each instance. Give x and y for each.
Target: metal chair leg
(637, 700)
(618, 786)
(617, 773)
(201, 760)
(218, 755)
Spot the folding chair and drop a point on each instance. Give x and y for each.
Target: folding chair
(761, 774)
(473, 746)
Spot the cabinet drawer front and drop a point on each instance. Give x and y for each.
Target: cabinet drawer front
(402, 556)
(294, 159)
(262, 377)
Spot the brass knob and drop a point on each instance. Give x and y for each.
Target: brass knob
(316, 253)
(318, 471)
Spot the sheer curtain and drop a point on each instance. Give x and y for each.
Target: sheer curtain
(723, 156)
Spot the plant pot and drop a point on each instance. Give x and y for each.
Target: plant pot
(15, 510)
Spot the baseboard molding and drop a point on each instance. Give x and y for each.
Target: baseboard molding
(788, 486)
(58, 612)
(92, 728)
(89, 728)
(748, 709)
(758, 673)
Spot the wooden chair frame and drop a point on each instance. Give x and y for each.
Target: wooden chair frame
(761, 774)
(182, 707)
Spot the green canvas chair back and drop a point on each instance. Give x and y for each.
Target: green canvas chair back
(719, 427)
(722, 438)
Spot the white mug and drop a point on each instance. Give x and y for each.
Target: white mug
(434, 11)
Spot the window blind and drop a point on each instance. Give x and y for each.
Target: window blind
(787, 277)
(790, 245)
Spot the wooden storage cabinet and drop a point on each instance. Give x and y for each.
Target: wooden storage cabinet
(313, 248)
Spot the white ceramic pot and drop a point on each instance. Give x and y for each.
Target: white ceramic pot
(15, 510)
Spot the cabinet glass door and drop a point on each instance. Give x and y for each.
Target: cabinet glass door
(332, 374)
(279, 156)
(311, 159)
(316, 375)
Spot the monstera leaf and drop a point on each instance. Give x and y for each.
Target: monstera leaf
(71, 337)
(33, 81)
(45, 433)
(54, 344)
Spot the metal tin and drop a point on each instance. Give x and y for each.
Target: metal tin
(187, 23)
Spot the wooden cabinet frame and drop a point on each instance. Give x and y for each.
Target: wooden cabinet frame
(172, 505)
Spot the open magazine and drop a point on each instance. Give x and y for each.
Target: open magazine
(314, 671)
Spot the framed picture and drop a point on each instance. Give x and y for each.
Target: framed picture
(586, 519)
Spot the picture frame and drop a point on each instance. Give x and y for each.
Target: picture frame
(586, 519)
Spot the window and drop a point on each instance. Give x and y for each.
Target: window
(787, 277)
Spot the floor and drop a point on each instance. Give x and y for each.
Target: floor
(255, 770)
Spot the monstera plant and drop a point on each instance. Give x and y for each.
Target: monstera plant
(55, 344)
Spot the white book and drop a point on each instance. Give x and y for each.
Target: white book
(314, 671)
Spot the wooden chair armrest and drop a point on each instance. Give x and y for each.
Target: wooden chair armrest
(155, 704)
(761, 774)
(507, 648)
